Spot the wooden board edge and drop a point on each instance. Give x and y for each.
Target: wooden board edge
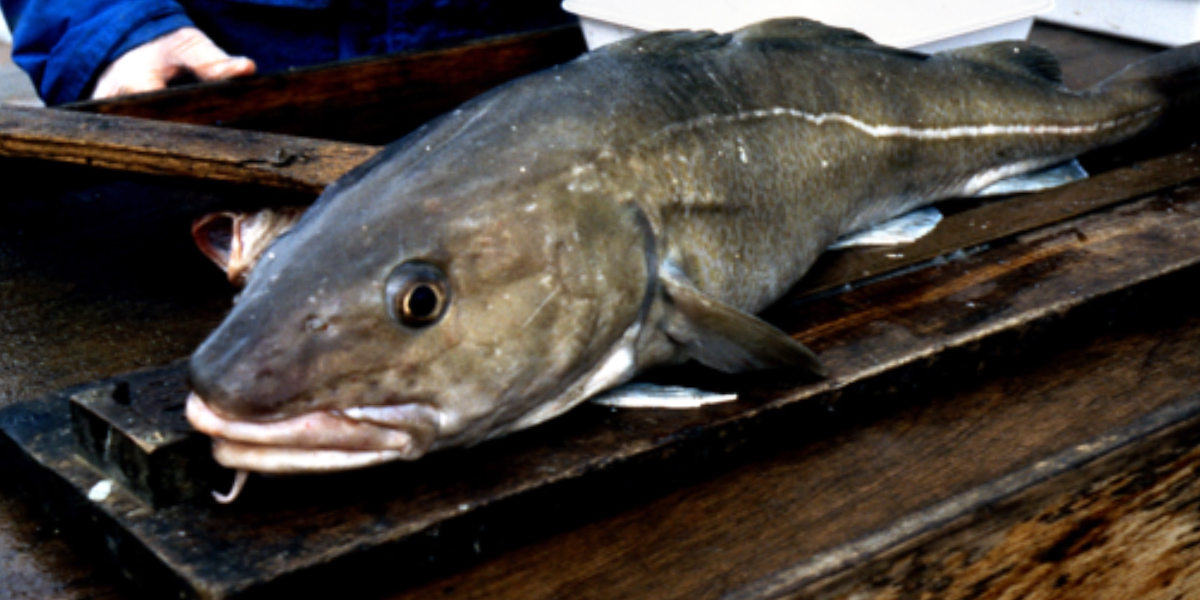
(856, 569)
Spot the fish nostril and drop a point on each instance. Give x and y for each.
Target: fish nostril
(200, 378)
(264, 373)
(216, 379)
(316, 323)
(235, 391)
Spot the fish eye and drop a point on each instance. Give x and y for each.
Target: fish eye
(417, 294)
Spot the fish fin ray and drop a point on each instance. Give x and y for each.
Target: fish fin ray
(214, 235)
(792, 30)
(773, 32)
(1172, 75)
(725, 338)
(668, 42)
(905, 229)
(1036, 181)
(1021, 58)
(650, 395)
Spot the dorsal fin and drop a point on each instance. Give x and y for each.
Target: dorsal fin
(805, 31)
(668, 42)
(774, 32)
(802, 30)
(1020, 58)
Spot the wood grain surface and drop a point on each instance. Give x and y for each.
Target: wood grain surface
(146, 146)
(1123, 526)
(369, 100)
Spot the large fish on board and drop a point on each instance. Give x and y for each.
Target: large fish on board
(553, 238)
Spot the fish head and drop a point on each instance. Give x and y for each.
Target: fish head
(417, 306)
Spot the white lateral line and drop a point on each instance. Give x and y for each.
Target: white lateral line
(922, 133)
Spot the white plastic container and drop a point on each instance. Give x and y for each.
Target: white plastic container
(1167, 22)
(924, 25)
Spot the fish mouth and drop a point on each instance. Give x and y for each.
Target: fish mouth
(317, 441)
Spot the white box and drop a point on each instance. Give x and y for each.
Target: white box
(923, 25)
(1167, 22)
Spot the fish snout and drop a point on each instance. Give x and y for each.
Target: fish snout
(321, 440)
(205, 382)
(237, 386)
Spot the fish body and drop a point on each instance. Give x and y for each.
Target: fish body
(553, 238)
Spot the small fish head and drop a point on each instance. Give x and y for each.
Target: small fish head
(408, 313)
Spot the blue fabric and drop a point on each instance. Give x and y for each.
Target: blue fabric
(64, 45)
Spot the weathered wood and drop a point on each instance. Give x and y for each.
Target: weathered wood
(97, 276)
(145, 146)
(139, 438)
(377, 98)
(1063, 528)
(39, 561)
(1124, 526)
(371, 100)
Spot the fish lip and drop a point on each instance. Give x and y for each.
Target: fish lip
(319, 440)
(287, 461)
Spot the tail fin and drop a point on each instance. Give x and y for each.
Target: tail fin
(1170, 79)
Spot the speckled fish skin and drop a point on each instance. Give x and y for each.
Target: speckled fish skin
(627, 209)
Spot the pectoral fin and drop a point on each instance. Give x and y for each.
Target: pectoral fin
(905, 229)
(725, 338)
(235, 240)
(649, 395)
(1056, 176)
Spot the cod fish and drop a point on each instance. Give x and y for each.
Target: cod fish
(551, 239)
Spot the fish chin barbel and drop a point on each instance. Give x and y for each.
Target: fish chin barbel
(554, 237)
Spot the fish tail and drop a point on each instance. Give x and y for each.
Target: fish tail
(1165, 86)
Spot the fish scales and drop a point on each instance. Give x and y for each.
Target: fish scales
(782, 134)
(555, 237)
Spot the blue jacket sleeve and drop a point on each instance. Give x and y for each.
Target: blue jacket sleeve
(64, 44)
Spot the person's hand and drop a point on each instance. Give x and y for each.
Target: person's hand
(154, 64)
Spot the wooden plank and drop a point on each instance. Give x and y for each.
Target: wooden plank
(1100, 518)
(930, 325)
(370, 100)
(1111, 518)
(144, 146)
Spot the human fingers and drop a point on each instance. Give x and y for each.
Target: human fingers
(154, 64)
(192, 51)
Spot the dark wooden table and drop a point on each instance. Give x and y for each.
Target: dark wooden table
(1051, 455)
